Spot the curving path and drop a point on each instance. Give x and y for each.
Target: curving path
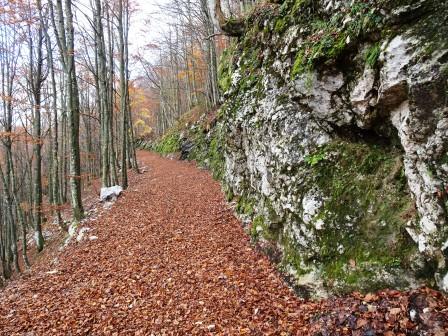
(170, 259)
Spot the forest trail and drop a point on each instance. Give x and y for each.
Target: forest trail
(170, 258)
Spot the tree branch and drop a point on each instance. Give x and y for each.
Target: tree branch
(232, 26)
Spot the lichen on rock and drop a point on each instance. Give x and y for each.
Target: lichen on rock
(338, 133)
(333, 140)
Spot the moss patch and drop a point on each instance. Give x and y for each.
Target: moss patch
(208, 150)
(365, 212)
(169, 143)
(225, 68)
(292, 258)
(372, 55)
(260, 229)
(330, 37)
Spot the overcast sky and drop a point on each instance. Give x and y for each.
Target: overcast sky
(140, 32)
(147, 25)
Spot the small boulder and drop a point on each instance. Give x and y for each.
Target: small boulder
(110, 193)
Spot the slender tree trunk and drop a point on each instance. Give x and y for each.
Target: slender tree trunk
(65, 38)
(57, 200)
(103, 101)
(12, 252)
(66, 43)
(123, 95)
(36, 79)
(112, 149)
(64, 166)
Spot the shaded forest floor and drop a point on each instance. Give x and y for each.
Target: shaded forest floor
(170, 258)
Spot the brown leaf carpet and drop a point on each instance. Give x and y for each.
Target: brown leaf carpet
(171, 259)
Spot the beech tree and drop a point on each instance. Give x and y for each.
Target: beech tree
(184, 77)
(122, 36)
(68, 113)
(10, 50)
(36, 79)
(63, 121)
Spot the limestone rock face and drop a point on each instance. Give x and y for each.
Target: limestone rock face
(340, 152)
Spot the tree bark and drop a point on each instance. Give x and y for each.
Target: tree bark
(231, 27)
(105, 113)
(123, 95)
(65, 38)
(36, 80)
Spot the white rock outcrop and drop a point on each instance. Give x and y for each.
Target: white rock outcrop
(277, 127)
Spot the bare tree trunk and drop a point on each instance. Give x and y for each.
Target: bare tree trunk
(57, 200)
(112, 150)
(65, 37)
(36, 80)
(123, 96)
(103, 103)
(234, 27)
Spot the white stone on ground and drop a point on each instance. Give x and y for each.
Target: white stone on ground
(81, 233)
(110, 193)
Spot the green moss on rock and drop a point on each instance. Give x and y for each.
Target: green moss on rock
(169, 143)
(327, 38)
(260, 229)
(365, 212)
(291, 257)
(208, 149)
(225, 68)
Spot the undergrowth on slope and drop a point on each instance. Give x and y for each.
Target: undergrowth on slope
(169, 143)
(205, 136)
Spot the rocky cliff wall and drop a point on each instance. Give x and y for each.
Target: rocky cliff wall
(333, 140)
